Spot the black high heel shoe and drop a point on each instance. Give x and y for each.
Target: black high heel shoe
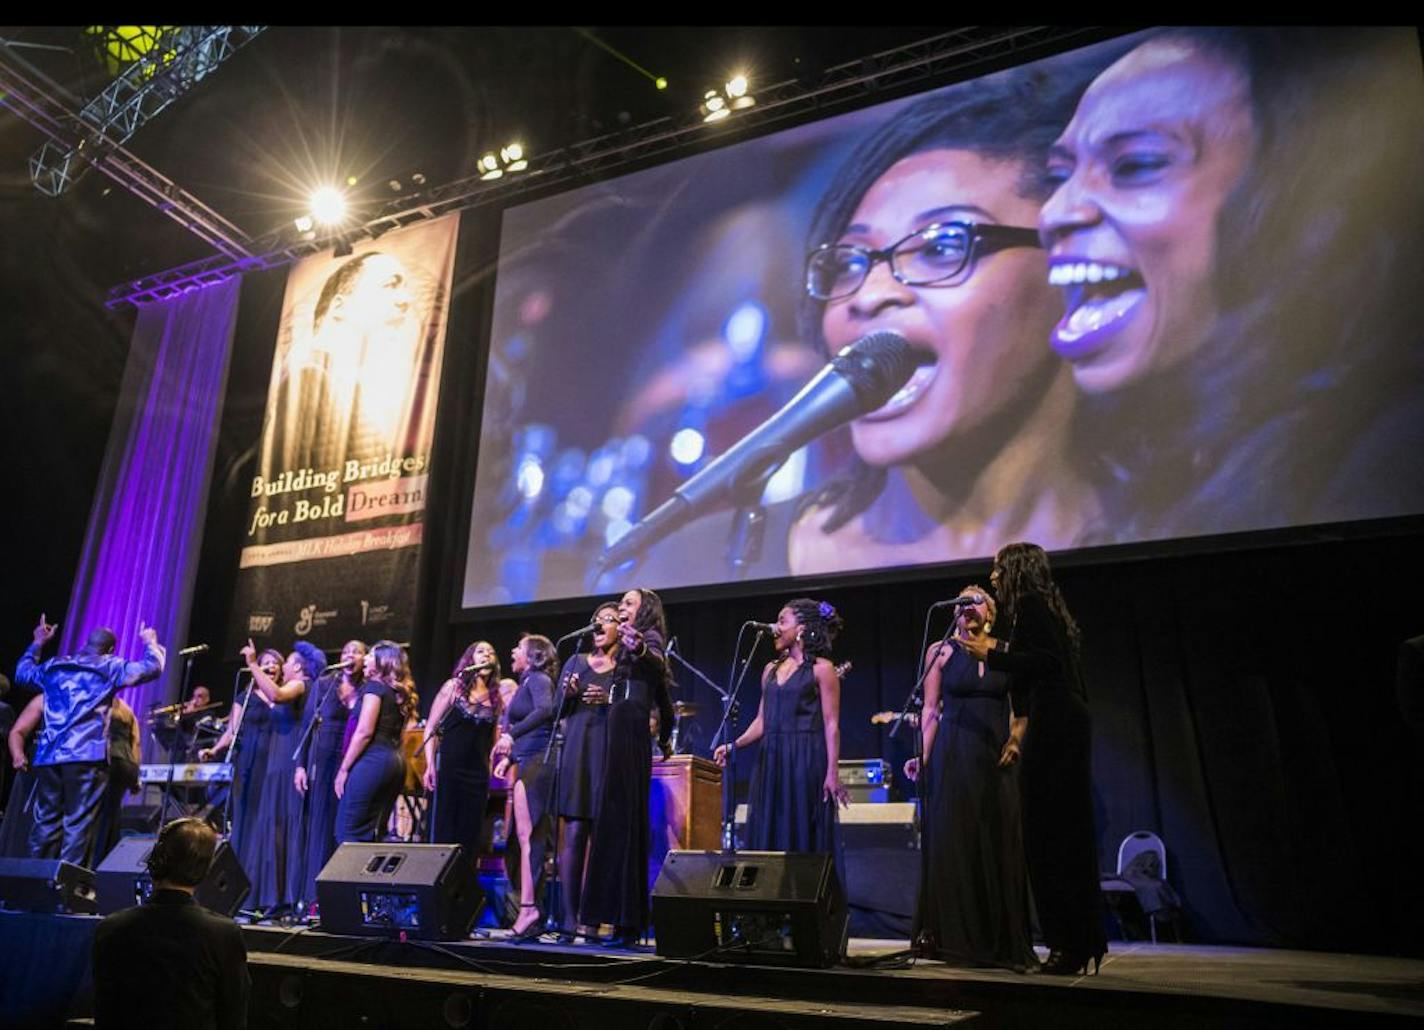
(1062, 963)
(530, 933)
(622, 938)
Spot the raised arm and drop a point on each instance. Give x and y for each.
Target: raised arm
(150, 665)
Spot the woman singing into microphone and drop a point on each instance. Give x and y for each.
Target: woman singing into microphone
(459, 739)
(372, 768)
(526, 727)
(615, 889)
(796, 787)
(333, 699)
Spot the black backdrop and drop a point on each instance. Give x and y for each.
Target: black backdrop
(1243, 700)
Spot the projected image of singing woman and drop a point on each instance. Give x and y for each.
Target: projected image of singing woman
(1236, 228)
(928, 230)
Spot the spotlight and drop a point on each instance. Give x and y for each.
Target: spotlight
(418, 178)
(304, 223)
(660, 82)
(513, 158)
(488, 167)
(395, 185)
(736, 89)
(714, 108)
(328, 205)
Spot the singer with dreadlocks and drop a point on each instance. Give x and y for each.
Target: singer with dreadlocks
(795, 787)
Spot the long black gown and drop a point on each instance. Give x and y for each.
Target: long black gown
(321, 759)
(786, 810)
(615, 887)
(1056, 778)
(581, 766)
(462, 779)
(974, 895)
(277, 874)
(254, 737)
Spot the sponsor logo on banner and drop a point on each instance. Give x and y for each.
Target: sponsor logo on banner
(260, 622)
(312, 617)
(375, 614)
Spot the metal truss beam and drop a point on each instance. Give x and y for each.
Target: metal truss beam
(958, 51)
(30, 95)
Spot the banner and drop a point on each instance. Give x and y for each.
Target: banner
(337, 501)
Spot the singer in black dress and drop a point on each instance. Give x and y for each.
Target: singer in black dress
(796, 785)
(973, 903)
(372, 769)
(523, 740)
(249, 727)
(615, 889)
(586, 680)
(1041, 656)
(459, 737)
(315, 775)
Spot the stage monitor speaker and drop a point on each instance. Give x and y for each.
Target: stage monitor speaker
(46, 885)
(426, 891)
(123, 879)
(770, 907)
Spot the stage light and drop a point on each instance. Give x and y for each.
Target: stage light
(304, 223)
(737, 86)
(512, 157)
(660, 82)
(351, 180)
(488, 167)
(714, 107)
(328, 205)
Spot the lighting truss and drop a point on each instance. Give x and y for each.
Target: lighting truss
(956, 52)
(177, 60)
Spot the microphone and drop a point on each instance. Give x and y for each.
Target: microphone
(591, 627)
(858, 380)
(960, 601)
(193, 649)
(763, 627)
(343, 664)
(476, 668)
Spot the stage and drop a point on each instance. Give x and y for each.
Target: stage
(305, 978)
(299, 975)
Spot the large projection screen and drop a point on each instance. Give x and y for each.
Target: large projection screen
(1208, 323)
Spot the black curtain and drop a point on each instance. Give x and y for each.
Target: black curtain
(1244, 709)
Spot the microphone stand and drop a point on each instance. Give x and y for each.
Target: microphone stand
(437, 732)
(554, 887)
(167, 798)
(673, 653)
(724, 735)
(232, 753)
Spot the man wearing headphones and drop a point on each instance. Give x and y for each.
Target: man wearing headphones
(170, 963)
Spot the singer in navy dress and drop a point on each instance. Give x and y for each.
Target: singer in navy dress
(246, 743)
(459, 736)
(973, 902)
(315, 775)
(795, 787)
(372, 769)
(277, 873)
(580, 766)
(615, 889)
(1041, 656)
(523, 740)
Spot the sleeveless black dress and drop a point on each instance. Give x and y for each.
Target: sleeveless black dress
(462, 781)
(785, 809)
(974, 895)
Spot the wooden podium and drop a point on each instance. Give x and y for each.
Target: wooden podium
(684, 807)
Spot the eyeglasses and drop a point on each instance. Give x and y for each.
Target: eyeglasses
(930, 256)
(606, 619)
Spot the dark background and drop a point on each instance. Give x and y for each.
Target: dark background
(1243, 690)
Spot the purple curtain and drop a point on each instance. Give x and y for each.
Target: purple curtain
(140, 555)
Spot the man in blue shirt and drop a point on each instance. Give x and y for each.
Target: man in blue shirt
(72, 751)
